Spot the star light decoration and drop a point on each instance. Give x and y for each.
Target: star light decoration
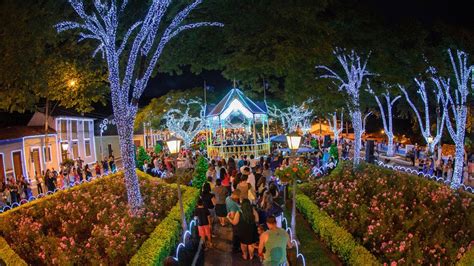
(334, 127)
(355, 71)
(131, 58)
(425, 122)
(456, 107)
(387, 118)
(184, 124)
(293, 117)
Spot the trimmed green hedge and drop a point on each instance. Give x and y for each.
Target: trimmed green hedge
(339, 240)
(164, 238)
(8, 256)
(467, 259)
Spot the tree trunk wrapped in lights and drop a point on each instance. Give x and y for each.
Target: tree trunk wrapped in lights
(456, 107)
(333, 125)
(131, 59)
(355, 70)
(425, 123)
(387, 119)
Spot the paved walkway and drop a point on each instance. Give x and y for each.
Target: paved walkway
(221, 254)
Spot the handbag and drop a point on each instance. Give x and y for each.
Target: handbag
(251, 193)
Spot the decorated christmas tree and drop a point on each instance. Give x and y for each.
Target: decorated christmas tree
(158, 148)
(333, 152)
(200, 173)
(141, 157)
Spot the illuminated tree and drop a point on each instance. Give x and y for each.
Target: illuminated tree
(355, 70)
(184, 123)
(456, 107)
(333, 125)
(294, 117)
(425, 122)
(131, 59)
(387, 118)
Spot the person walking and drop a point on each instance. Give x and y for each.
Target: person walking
(274, 241)
(204, 221)
(246, 221)
(39, 183)
(233, 207)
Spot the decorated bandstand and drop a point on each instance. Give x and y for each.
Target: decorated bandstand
(237, 126)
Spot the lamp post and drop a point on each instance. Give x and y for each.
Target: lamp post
(174, 145)
(294, 142)
(65, 148)
(430, 142)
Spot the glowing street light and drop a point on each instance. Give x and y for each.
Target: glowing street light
(174, 144)
(294, 141)
(72, 82)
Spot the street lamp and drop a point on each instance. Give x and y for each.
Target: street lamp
(174, 144)
(72, 82)
(294, 141)
(65, 148)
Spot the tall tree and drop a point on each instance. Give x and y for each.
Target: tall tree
(183, 123)
(387, 117)
(129, 68)
(457, 109)
(354, 73)
(336, 130)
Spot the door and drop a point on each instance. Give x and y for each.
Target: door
(17, 164)
(2, 169)
(109, 148)
(35, 159)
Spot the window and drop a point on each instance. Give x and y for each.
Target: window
(74, 129)
(75, 150)
(47, 154)
(88, 147)
(2, 169)
(86, 129)
(63, 129)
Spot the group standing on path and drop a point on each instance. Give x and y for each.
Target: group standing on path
(242, 193)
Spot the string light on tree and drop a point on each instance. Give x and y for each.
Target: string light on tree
(183, 123)
(456, 107)
(387, 118)
(334, 127)
(131, 58)
(294, 117)
(424, 122)
(355, 71)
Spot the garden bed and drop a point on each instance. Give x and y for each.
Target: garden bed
(397, 217)
(91, 224)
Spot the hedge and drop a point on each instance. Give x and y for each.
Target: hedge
(164, 238)
(467, 259)
(339, 240)
(8, 256)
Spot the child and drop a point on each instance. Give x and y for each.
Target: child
(204, 221)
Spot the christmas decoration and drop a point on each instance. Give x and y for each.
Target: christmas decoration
(183, 123)
(386, 119)
(131, 59)
(294, 117)
(142, 157)
(355, 70)
(200, 173)
(333, 125)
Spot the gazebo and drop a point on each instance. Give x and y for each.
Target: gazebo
(237, 126)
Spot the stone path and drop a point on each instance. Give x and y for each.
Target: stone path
(221, 254)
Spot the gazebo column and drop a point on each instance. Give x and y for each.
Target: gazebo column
(254, 137)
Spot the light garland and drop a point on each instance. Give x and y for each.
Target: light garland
(458, 106)
(387, 120)
(355, 71)
(293, 117)
(333, 125)
(183, 124)
(293, 241)
(127, 82)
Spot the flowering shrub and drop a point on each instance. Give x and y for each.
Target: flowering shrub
(399, 218)
(89, 224)
(295, 170)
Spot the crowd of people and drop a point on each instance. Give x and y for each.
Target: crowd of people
(242, 193)
(14, 190)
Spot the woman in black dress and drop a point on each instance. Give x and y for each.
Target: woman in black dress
(246, 220)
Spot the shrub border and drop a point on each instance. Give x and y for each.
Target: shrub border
(164, 238)
(8, 255)
(338, 239)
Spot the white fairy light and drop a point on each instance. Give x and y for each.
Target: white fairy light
(424, 122)
(457, 118)
(387, 118)
(355, 70)
(129, 76)
(184, 124)
(293, 117)
(364, 122)
(334, 127)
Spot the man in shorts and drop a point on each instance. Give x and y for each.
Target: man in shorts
(204, 223)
